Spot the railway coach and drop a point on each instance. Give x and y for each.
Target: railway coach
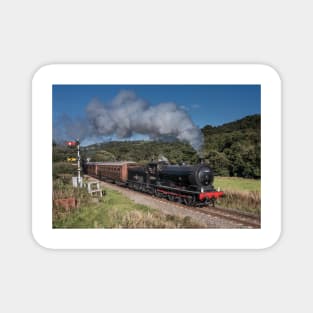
(116, 172)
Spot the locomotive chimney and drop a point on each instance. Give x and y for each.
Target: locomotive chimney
(201, 157)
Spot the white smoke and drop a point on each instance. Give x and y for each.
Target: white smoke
(127, 115)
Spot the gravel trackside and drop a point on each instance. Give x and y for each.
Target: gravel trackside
(171, 208)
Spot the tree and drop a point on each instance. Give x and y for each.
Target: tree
(219, 163)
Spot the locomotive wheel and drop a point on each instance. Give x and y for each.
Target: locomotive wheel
(137, 187)
(179, 200)
(158, 194)
(170, 197)
(188, 201)
(212, 202)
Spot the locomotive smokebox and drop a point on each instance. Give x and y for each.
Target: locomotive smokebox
(197, 177)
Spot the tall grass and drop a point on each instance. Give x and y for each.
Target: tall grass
(114, 210)
(151, 219)
(62, 190)
(240, 193)
(248, 201)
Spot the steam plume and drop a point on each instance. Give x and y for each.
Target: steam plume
(127, 115)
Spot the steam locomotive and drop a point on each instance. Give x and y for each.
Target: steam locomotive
(187, 184)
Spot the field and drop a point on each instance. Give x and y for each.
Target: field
(237, 184)
(240, 193)
(112, 211)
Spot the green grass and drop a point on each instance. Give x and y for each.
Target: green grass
(114, 210)
(240, 193)
(237, 184)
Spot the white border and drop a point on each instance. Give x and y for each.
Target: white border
(48, 237)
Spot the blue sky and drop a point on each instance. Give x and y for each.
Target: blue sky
(206, 104)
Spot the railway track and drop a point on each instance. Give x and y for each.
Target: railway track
(242, 219)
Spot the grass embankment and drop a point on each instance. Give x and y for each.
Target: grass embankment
(237, 183)
(240, 193)
(113, 211)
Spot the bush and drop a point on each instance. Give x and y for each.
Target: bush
(63, 169)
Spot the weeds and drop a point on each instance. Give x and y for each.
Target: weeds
(155, 219)
(113, 211)
(240, 193)
(64, 191)
(117, 211)
(248, 201)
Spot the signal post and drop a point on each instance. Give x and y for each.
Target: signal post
(77, 181)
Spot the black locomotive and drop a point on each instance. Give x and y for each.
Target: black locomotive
(188, 184)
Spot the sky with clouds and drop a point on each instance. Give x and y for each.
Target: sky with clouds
(205, 104)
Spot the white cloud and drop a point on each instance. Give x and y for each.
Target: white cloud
(183, 107)
(195, 106)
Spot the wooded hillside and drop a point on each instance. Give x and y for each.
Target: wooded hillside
(232, 149)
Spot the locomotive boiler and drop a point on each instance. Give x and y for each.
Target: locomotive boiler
(195, 177)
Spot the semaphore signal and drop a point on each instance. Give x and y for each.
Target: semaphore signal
(73, 144)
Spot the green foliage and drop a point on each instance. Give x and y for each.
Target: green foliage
(219, 162)
(103, 156)
(232, 149)
(140, 151)
(63, 169)
(61, 153)
(64, 189)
